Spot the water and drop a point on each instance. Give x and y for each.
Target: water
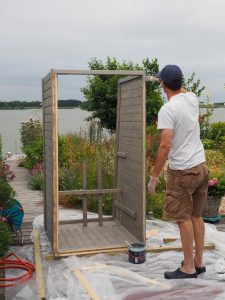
(70, 120)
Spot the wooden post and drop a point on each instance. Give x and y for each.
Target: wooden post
(85, 196)
(99, 170)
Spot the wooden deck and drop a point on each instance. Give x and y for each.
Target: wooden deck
(32, 201)
(110, 235)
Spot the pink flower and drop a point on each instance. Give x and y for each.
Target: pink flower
(213, 182)
(3, 219)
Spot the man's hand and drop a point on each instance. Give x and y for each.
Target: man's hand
(152, 185)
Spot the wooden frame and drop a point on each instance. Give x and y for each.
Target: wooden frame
(136, 82)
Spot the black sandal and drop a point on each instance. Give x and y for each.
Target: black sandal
(178, 274)
(199, 270)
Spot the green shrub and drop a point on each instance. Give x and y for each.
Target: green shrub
(34, 154)
(155, 205)
(222, 145)
(0, 146)
(217, 131)
(208, 144)
(30, 131)
(37, 182)
(214, 157)
(7, 194)
(5, 238)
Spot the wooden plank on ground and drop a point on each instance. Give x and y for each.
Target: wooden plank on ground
(123, 250)
(122, 271)
(38, 266)
(87, 287)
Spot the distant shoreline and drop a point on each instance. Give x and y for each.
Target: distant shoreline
(19, 105)
(36, 108)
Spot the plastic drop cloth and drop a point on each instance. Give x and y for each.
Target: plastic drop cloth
(114, 278)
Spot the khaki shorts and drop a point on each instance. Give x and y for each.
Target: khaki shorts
(186, 193)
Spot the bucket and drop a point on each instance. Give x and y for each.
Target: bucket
(136, 253)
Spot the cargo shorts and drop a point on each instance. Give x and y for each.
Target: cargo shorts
(186, 193)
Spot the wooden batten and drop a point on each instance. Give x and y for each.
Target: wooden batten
(114, 251)
(99, 177)
(84, 195)
(90, 192)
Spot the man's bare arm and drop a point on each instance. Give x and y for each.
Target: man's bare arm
(163, 151)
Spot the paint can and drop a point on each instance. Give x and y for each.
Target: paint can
(136, 253)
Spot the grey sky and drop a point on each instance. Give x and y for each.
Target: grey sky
(37, 35)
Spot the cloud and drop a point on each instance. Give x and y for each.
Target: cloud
(39, 35)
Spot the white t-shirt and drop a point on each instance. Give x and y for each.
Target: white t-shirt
(181, 114)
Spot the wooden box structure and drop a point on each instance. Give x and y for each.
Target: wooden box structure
(128, 218)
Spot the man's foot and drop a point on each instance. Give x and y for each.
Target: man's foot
(199, 270)
(178, 274)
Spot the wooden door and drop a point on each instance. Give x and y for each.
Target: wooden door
(129, 207)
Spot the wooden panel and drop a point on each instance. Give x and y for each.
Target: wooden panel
(48, 110)
(131, 125)
(47, 85)
(48, 126)
(47, 78)
(47, 95)
(131, 109)
(130, 172)
(48, 118)
(47, 102)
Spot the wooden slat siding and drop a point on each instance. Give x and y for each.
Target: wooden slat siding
(55, 202)
(48, 94)
(48, 110)
(48, 118)
(84, 196)
(48, 153)
(131, 109)
(130, 171)
(48, 126)
(44, 155)
(47, 78)
(99, 175)
(48, 134)
(132, 101)
(131, 95)
(47, 192)
(48, 102)
(47, 85)
(131, 117)
(131, 125)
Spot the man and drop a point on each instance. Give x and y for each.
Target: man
(187, 174)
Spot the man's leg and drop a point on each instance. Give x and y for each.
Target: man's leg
(187, 238)
(199, 236)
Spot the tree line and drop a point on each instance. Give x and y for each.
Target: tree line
(70, 103)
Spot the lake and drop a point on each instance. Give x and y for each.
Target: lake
(70, 120)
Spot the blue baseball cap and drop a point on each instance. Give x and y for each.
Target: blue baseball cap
(170, 74)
